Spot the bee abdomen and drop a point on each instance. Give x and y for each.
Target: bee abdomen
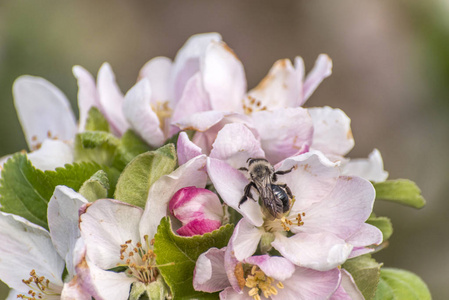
(280, 194)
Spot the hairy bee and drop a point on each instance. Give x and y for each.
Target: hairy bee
(276, 197)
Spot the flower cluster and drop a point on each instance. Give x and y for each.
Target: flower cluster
(191, 186)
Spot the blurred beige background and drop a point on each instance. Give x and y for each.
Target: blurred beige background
(391, 77)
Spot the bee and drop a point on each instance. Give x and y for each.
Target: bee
(276, 197)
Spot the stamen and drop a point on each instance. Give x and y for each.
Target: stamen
(39, 287)
(261, 284)
(251, 104)
(140, 261)
(163, 112)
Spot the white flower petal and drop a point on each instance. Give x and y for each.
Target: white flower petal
(245, 239)
(235, 143)
(186, 149)
(194, 99)
(312, 178)
(51, 155)
(223, 78)
(158, 71)
(332, 131)
(308, 284)
(25, 247)
(104, 285)
(319, 251)
(347, 290)
(74, 291)
(200, 121)
(230, 184)
(367, 235)
(140, 115)
(43, 111)
(274, 266)
(105, 225)
(210, 274)
(111, 99)
(192, 173)
(87, 94)
(344, 210)
(281, 88)
(371, 169)
(63, 222)
(187, 61)
(321, 70)
(283, 132)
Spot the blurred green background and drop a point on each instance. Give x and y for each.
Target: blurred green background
(391, 77)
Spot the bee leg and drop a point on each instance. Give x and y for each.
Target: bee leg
(247, 193)
(282, 172)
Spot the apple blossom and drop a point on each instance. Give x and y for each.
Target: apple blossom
(36, 267)
(118, 234)
(262, 276)
(326, 219)
(199, 210)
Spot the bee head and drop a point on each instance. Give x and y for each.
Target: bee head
(259, 168)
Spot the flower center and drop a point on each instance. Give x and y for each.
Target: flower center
(140, 261)
(163, 112)
(261, 284)
(285, 223)
(39, 287)
(250, 105)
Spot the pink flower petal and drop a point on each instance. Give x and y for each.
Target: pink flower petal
(87, 94)
(223, 78)
(140, 115)
(319, 251)
(43, 110)
(200, 121)
(187, 61)
(111, 99)
(191, 203)
(321, 70)
(210, 274)
(367, 235)
(105, 225)
(230, 184)
(198, 227)
(235, 143)
(332, 131)
(186, 149)
(283, 132)
(158, 71)
(194, 99)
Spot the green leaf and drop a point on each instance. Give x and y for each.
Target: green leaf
(95, 146)
(365, 271)
(181, 254)
(384, 224)
(138, 176)
(400, 284)
(96, 187)
(25, 190)
(129, 147)
(96, 121)
(402, 191)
